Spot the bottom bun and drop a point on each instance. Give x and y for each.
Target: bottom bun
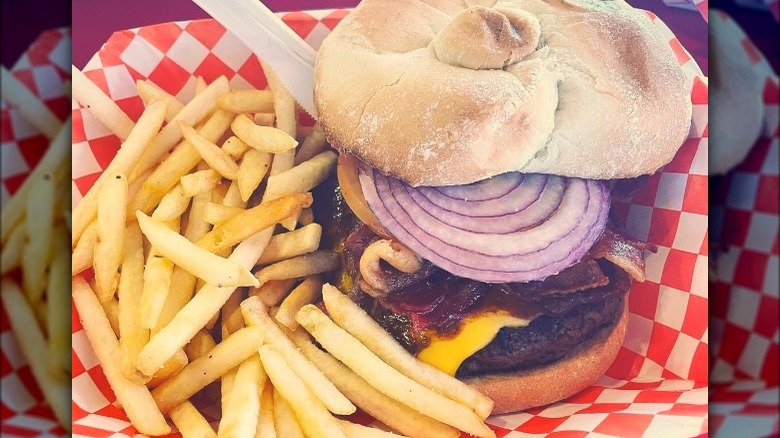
(559, 380)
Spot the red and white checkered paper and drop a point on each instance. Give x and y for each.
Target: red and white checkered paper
(745, 209)
(657, 385)
(43, 68)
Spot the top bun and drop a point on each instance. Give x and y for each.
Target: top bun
(446, 92)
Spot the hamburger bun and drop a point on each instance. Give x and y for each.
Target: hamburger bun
(736, 91)
(435, 92)
(559, 380)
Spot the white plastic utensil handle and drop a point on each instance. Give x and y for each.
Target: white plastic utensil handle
(287, 54)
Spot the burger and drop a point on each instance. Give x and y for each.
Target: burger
(481, 146)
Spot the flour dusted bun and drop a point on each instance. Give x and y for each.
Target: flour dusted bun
(445, 92)
(736, 94)
(559, 380)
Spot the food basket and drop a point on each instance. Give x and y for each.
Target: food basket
(658, 383)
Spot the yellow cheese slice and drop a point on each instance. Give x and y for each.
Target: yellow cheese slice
(447, 353)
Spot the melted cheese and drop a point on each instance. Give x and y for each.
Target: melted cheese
(447, 353)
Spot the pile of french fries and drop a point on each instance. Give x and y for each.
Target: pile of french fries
(196, 267)
(35, 227)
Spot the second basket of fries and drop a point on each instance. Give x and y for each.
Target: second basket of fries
(208, 272)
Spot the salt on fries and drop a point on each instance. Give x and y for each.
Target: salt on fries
(175, 239)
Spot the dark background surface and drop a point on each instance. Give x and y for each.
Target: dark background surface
(759, 25)
(95, 20)
(23, 20)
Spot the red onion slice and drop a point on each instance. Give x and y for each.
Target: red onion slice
(534, 212)
(538, 239)
(507, 201)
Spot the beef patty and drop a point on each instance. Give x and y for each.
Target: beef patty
(567, 309)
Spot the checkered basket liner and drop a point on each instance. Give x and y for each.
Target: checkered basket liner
(43, 68)
(656, 387)
(745, 213)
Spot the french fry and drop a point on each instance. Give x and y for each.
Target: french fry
(241, 413)
(211, 268)
(354, 430)
(100, 105)
(218, 213)
(198, 311)
(305, 293)
(66, 217)
(149, 91)
(172, 367)
(53, 159)
(206, 369)
(382, 376)
(157, 283)
(212, 154)
(394, 414)
(40, 310)
(84, 251)
(251, 171)
(262, 138)
(312, 145)
(232, 319)
(200, 85)
(172, 205)
(197, 226)
(265, 421)
(192, 113)
(58, 299)
(12, 249)
(111, 309)
(298, 267)
(199, 182)
(233, 196)
(265, 119)
(247, 101)
(273, 291)
(134, 397)
(235, 147)
(125, 160)
(178, 164)
(202, 343)
(29, 105)
(350, 317)
(284, 246)
(112, 205)
(306, 217)
(285, 423)
(33, 346)
(255, 314)
(182, 282)
(284, 103)
(229, 326)
(39, 216)
(220, 191)
(132, 335)
(303, 177)
(314, 418)
(190, 422)
(251, 221)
